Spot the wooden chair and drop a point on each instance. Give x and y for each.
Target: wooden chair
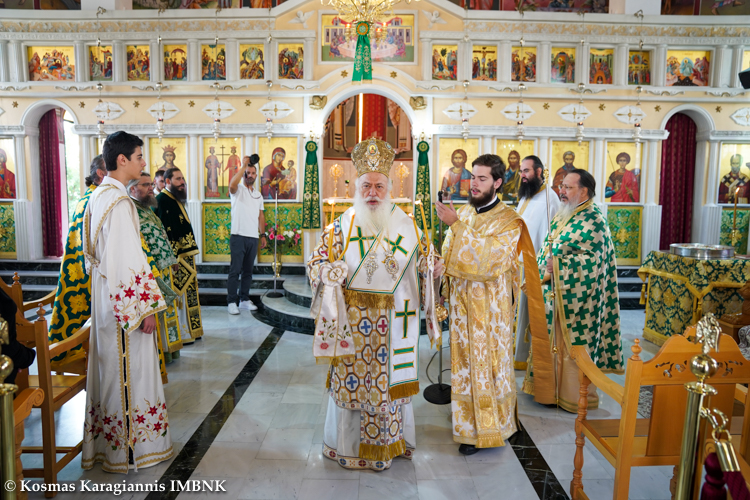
(22, 405)
(631, 441)
(58, 388)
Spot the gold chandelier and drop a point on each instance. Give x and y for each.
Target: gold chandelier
(370, 11)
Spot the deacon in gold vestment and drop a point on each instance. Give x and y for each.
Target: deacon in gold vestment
(366, 275)
(481, 252)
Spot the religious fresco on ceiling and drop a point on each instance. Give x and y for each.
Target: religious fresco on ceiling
(734, 173)
(100, 63)
(639, 68)
(444, 62)
(512, 152)
(688, 68)
(169, 152)
(724, 8)
(213, 62)
(7, 170)
(678, 7)
(623, 169)
(139, 63)
(398, 46)
(175, 62)
(41, 4)
(484, 63)
(568, 155)
(291, 61)
(601, 62)
(51, 63)
(222, 160)
(252, 64)
(187, 4)
(597, 6)
(279, 168)
(523, 64)
(454, 163)
(563, 65)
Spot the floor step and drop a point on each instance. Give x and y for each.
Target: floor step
(298, 291)
(293, 316)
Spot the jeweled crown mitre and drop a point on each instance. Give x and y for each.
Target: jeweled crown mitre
(373, 155)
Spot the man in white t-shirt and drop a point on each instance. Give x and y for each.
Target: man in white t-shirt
(248, 227)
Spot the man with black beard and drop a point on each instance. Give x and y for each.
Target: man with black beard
(482, 269)
(534, 197)
(171, 210)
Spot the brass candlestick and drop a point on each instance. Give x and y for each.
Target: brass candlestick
(336, 172)
(735, 233)
(402, 172)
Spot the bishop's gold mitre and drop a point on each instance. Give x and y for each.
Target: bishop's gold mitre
(373, 155)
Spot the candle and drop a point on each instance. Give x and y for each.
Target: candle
(734, 221)
(416, 230)
(349, 236)
(330, 235)
(424, 220)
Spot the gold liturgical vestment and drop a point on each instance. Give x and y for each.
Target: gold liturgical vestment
(481, 252)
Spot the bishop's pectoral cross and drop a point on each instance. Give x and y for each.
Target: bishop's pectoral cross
(406, 314)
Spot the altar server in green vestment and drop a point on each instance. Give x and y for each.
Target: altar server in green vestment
(171, 210)
(152, 231)
(580, 267)
(366, 275)
(72, 305)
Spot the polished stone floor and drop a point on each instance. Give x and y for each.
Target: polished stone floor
(246, 405)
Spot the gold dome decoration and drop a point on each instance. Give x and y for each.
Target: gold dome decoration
(373, 155)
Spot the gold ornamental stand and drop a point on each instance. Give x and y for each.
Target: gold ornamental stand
(275, 293)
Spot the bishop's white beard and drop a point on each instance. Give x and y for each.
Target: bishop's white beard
(369, 218)
(566, 210)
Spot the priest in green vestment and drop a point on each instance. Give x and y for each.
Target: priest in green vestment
(171, 210)
(584, 310)
(152, 231)
(72, 305)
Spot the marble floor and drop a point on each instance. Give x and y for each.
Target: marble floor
(247, 406)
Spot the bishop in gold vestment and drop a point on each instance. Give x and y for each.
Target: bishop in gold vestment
(481, 252)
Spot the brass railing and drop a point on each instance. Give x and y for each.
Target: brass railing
(7, 430)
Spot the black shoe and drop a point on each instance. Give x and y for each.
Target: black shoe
(467, 449)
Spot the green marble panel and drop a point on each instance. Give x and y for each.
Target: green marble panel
(743, 219)
(217, 226)
(7, 231)
(625, 225)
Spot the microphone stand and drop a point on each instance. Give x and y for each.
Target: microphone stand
(275, 294)
(440, 393)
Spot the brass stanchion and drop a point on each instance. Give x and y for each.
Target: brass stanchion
(703, 367)
(7, 431)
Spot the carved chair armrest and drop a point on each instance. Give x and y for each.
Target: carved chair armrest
(79, 337)
(25, 401)
(47, 300)
(597, 377)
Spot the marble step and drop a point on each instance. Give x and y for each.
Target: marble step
(294, 317)
(32, 277)
(293, 269)
(262, 281)
(30, 265)
(297, 291)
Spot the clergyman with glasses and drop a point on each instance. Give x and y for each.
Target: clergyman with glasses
(579, 265)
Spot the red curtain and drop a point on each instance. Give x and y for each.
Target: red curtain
(373, 119)
(50, 166)
(677, 173)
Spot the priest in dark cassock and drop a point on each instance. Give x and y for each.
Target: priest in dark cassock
(171, 210)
